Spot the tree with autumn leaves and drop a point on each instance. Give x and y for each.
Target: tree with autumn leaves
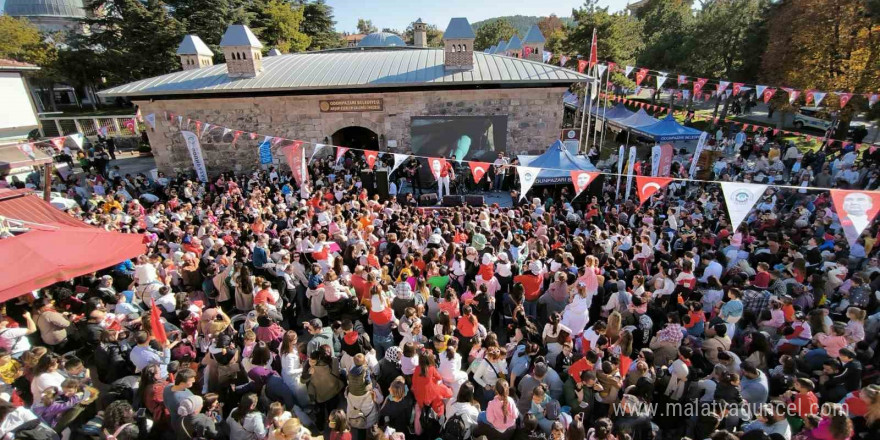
(827, 45)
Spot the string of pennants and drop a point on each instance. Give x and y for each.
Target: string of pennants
(740, 197)
(746, 126)
(27, 148)
(811, 96)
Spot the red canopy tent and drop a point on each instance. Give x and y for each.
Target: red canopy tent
(56, 247)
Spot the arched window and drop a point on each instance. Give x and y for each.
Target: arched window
(465, 47)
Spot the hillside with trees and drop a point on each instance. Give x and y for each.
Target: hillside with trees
(521, 23)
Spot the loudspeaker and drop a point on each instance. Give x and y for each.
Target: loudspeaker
(382, 184)
(453, 201)
(475, 200)
(368, 179)
(428, 199)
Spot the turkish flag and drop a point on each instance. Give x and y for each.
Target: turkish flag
(198, 127)
(478, 170)
(648, 186)
(641, 75)
(582, 65)
(844, 98)
(371, 157)
(736, 87)
(594, 52)
(768, 94)
(698, 85)
(156, 323)
(581, 180)
(437, 164)
(58, 143)
(295, 156)
(340, 151)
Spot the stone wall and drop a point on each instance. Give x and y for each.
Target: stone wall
(534, 121)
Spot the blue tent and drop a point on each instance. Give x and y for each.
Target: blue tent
(668, 129)
(638, 119)
(560, 162)
(619, 111)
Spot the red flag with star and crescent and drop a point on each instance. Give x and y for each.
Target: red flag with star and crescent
(582, 65)
(698, 85)
(641, 75)
(478, 170)
(371, 157)
(594, 51)
(648, 186)
(581, 180)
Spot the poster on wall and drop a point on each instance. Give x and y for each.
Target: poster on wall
(471, 138)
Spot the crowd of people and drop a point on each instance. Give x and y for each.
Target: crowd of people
(268, 310)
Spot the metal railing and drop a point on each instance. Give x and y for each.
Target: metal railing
(118, 125)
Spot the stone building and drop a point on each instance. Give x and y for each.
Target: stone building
(364, 97)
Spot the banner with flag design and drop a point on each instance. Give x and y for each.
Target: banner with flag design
(648, 186)
(527, 178)
(581, 180)
(478, 170)
(740, 198)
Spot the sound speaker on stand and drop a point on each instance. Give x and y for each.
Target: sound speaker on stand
(429, 199)
(453, 201)
(475, 200)
(382, 184)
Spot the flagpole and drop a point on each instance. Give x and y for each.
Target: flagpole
(588, 106)
(583, 116)
(604, 110)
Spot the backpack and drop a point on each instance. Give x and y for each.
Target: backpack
(34, 430)
(551, 410)
(454, 429)
(429, 421)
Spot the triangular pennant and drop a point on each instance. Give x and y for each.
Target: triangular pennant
(722, 85)
(682, 79)
(582, 65)
(844, 98)
(340, 151)
(235, 136)
(640, 76)
(818, 97)
(318, 147)
(478, 170)
(628, 70)
(856, 210)
(198, 127)
(371, 157)
(58, 143)
(793, 95)
(648, 186)
(77, 139)
(740, 198)
(601, 68)
(873, 98)
(151, 119)
(295, 156)
(661, 78)
(760, 90)
(103, 131)
(253, 136)
(28, 149)
(207, 129)
(581, 180)
(768, 94)
(728, 92)
(276, 140)
(736, 88)
(180, 121)
(698, 85)
(399, 159)
(436, 164)
(775, 131)
(547, 55)
(527, 178)
(225, 132)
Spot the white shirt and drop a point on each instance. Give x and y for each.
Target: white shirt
(713, 269)
(145, 274)
(44, 381)
(168, 302)
(19, 343)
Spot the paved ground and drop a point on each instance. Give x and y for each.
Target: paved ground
(133, 163)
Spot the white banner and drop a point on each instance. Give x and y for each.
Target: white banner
(318, 148)
(701, 144)
(225, 132)
(620, 157)
(180, 121)
(527, 178)
(78, 139)
(628, 70)
(661, 78)
(656, 152)
(601, 68)
(151, 119)
(740, 198)
(195, 152)
(399, 159)
(206, 129)
(818, 97)
(760, 90)
(629, 170)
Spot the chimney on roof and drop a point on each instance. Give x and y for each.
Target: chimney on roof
(243, 52)
(420, 34)
(458, 44)
(194, 53)
(533, 44)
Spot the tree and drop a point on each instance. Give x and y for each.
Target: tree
(206, 18)
(492, 32)
(366, 26)
(392, 31)
(20, 40)
(619, 36)
(737, 34)
(433, 35)
(826, 45)
(278, 25)
(318, 24)
(550, 25)
(665, 25)
(138, 39)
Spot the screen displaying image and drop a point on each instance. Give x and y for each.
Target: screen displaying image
(467, 137)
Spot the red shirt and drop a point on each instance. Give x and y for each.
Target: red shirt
(447, 168)
(263, 296)
(531, 284)
(762, 280)
(579, 367)
(806, 404)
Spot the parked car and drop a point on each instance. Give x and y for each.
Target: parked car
(810, 117)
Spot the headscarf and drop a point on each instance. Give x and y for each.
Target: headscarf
(393, 354)
(189, 406)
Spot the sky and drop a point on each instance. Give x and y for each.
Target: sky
(398, 14)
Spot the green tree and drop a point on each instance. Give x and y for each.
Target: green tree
(137, 38)
(318, 24)
(736, 32)
(20, 40)
(278, 25)
(490, 33)
(366, 26)
(618, 36)
(665, 25)
(433, 35)
(206, 18)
